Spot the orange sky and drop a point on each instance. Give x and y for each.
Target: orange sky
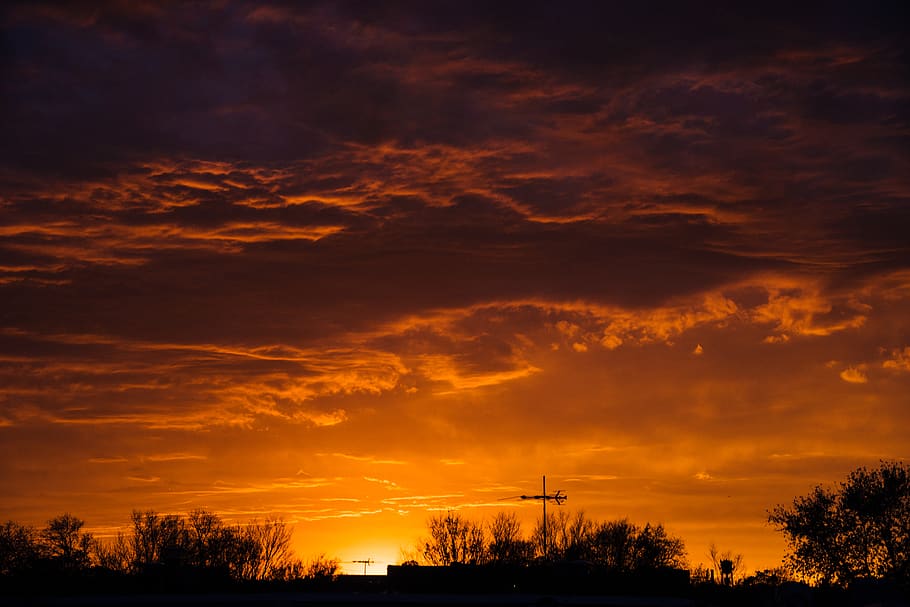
(355, 264)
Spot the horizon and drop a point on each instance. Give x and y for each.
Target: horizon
(351, 264)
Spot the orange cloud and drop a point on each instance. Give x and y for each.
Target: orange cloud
(899, 361)
(854, 375)
(802, 309)
(367, 459)
(445, 369)
(108, 460)
(172, 457)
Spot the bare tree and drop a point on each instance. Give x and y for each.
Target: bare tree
(240, 552)
(205, 530)
(255, 551)
(19, 548)
(580, 537)
(116, 554)
(569, 536)
(625, 547)
(506, 544)
(158, 538)
(65, 542)
(322, 568)
(273, 540)
(614, 545)
(555, 543)
(454, 539)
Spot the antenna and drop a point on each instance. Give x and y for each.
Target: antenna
(559, 498)
(365, 562)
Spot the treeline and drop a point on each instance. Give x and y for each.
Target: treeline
(619, 546)
(194, 549)
(854, 536)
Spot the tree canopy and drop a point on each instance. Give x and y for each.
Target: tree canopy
(860, 529)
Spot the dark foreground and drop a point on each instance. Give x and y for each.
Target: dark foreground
(568, 586)
(335, 599)
(353, 599)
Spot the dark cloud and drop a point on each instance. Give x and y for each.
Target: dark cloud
(326, 105)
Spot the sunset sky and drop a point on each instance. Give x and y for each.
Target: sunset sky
(354, 263)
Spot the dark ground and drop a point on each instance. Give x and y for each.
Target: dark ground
(341, 600)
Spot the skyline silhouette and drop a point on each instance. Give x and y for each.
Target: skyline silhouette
(850, 537)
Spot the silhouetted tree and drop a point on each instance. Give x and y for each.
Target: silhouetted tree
(206, 532)
(322, 568)
(861, 529)
(614, 545)
(768, 577)
(66, 545)
(217, 547)
(454, 539)
(624, 547)
(654, 548)
(550, 545)
(19, 548)
(115, 555)
(240, 552)
(201, 541)
(568, 536)
(579, 537)
(158, 539)
(273, 547)
(506, 544)
(619, 546)
(200, 545)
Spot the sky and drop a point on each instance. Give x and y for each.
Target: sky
(357, 263)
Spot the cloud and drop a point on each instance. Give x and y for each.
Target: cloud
(111, 367)
(367, 459)
(172, 457)
(777, 339)
(802, 311)
(388, 484)
(444, 351)
(336, 514)
(438, 368)
(899, 361)
(108, 460)
(854, 375)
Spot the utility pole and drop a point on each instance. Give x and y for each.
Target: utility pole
(544, 500)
